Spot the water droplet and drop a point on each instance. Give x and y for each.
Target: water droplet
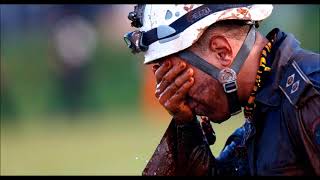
(177, 14)
(168, 14)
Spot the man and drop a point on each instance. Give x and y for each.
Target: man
(210, 61)
(73, 44)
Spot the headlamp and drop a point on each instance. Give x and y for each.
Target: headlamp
(134, 41)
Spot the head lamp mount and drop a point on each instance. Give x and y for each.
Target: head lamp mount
(137, 16)
(134, 41)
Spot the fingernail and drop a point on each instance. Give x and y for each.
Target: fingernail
(155, 67)
(191, 79)
(190, 71)
(182, 65)
(167, 64)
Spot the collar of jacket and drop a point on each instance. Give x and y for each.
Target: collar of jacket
(283, 49)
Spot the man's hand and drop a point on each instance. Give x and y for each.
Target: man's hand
(174, 80)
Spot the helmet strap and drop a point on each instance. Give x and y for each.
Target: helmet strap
(227, 76)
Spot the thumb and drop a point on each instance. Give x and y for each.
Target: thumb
(154, 68)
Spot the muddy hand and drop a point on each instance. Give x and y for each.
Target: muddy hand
(174, 80)
(208, 130)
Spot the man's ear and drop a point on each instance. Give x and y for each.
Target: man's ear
(222, 49)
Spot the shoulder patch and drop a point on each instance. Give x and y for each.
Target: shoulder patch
(294, 84)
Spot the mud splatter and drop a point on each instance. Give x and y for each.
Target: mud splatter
(188, 7)
(200, 32)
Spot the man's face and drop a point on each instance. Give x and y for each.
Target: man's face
(206, 97)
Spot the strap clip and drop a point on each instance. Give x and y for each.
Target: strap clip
(230, 87)
(228, 79)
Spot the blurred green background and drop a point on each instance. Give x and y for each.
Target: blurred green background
(80, 111)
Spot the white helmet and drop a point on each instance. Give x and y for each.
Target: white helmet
(168, 29)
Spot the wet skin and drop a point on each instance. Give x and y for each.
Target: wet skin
(185, 91)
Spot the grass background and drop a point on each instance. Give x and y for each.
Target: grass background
(111, 136)
(98, 145)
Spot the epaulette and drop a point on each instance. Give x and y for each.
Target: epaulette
(296, 86)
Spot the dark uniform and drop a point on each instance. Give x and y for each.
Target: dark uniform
(282, 139)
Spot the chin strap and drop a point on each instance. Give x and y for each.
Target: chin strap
(227, 76)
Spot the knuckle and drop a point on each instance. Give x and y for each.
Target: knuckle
(173, 88)
(156, 93)
(159, 73)
(158, 78)
(188, 84)
(178, 81)
(185, 85)
(165, 79)
(162, 87)
(158, 90)
(158, 86)
(162, 100)
(177, 70)
(168, 105)
(183, 89)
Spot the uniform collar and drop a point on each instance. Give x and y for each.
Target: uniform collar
(283, 48)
